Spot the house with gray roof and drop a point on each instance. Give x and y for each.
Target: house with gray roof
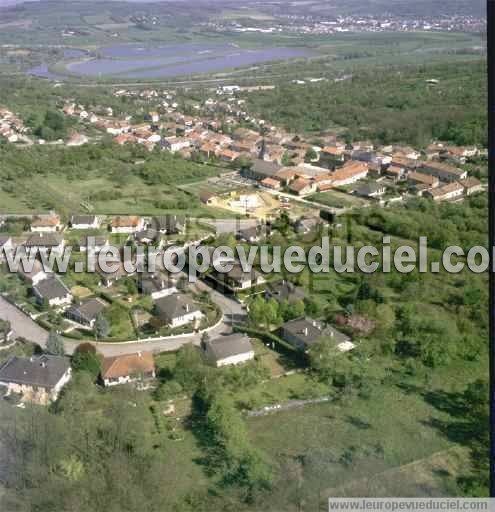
(302, 333)
(44, 243)
(284, 290)
(86, 313)
(260, 169)
(230, 349)
(177, 310)
(156, 285)
(34, 273)
(38, 379)
(84, 222)
(148, 236)
(169, 224)
(250, 234)
(53, 291)
(237, 279)
(371, 190)
(305, 225)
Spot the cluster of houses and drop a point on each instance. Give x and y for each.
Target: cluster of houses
(434, 178)
(48, 289)
(12, 129)
(51, 223)
(40, 379)
(281, 160)
(11, 126)
(173, 130)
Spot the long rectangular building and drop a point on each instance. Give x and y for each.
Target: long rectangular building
(443, 172)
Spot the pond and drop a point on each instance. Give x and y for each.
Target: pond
(138, 61)
(42, 70)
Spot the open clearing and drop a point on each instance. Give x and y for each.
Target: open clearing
(385, 443)
(423, 477)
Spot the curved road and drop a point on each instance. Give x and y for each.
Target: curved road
(23, 326)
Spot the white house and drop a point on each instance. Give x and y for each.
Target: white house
(84, 222)
(349, 173)
(128, 368)
(177, 310)
(155, 286)
(126, 225)
(174, 144)
(154, 116)
(448, 192)
(44, 243)
(229, 350)
(46, 224)
(34, 274)
(52, 290)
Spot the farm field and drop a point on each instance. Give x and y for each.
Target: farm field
(71, 198)
(107, 186)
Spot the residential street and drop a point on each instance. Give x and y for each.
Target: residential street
(22, 325)
(27, 328)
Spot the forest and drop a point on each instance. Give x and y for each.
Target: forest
(387, 105)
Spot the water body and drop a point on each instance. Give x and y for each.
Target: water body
(137, 61)
(128, 51)
(42, 70)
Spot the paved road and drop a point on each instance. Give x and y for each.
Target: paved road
(23, 326)
(156, 346)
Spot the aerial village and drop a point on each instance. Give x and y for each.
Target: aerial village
(266, 172)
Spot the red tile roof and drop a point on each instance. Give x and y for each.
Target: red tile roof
(127, 365)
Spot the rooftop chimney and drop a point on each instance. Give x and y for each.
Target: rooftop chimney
(306, 331)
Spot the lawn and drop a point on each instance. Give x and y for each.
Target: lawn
(336, 199)
(360, 445)
(290, 387)
(165, 360)
(81, 292)
(273, 360)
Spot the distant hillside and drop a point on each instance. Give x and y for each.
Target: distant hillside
(375, 7)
